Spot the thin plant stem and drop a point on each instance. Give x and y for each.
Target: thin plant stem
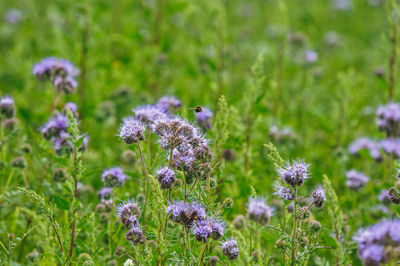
(294, 227)
(71, 249)
(143, 164)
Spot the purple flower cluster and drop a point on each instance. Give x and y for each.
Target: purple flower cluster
(375, 241)
(147, 114)
(131, 131)
(203, 118)
(355, 180)
(258, 211)
(318, 197)
(7, 107)
(113, 177)
(230, 249)
(56, 130)
(167, 104)
(367, 144)
(389, 119)
(60, 72)
(310, 56)
(283, 192)
(186, 213)
(106, 193)
(129, 213)
(295, 173)
(166, 178)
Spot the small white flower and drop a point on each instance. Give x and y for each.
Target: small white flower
(128, 262)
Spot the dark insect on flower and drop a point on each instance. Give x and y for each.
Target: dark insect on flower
(131, 131)
(355, 180)
(394, 195)
(127, 210)
(230, 249)
(258, 211)
(113, 177)
(295, 173)
(186, 213)
(166, 178)
(318, 196)
(7, 108)
(202, 230)
(197, 109)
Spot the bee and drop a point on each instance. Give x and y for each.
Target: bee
(197, 109)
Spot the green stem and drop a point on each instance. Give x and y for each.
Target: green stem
(294, 228)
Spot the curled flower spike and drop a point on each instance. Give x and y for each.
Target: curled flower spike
(217, 228)
(295, 173)
(113, 177)
(126, 210)
(230, 249)
(318, 196)
(394, 195)
(135, 234)
(166, 178)
(131, 131)
(258, 211)
(355, 180)
(7, 107)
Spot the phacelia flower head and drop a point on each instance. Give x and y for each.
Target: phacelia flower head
(202, 230)
(310, 56)
(384, 196)
(391, 146)
(147, 114)
(127, 210)
(167, 104)
(55, 127)
(283, 192)
(186, 213)
(72, 107)
(374, 241)
(217, 228)
(113, 177)
(203, 118)
(135, 234)
(295, 173)
(105, 193)
(230, 249)
(131, 131)
(355, 180)
(166, 178)
(7, 108)
(258, 211)
(173, 132)
(318, 197)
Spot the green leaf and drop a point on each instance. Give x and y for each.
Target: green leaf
(61, 203)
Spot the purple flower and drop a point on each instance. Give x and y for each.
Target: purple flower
(72, 107)
(147, 114)
(365, 143)
(128, 212)
(131, 131)
(384, 197)
(52, 67)
(203, 118)
(259, 211)
(186, 213)
(166, 178)
(13, 16)
(373, 240)
(202, 230)
(391, 146)
(217, 228)
(113, 177)
(135, 234)
(355, 180)
(55, 127)
(105, 193)
(283, 192)
(310, 56)
(318, 197)
(65, 84)
(167, 104)
(7, 108)
(230, 249)
(294, 174)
